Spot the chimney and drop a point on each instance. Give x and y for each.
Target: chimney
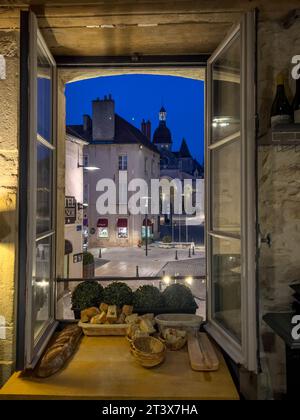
(146, 129)
(104, 119)
(87, 123)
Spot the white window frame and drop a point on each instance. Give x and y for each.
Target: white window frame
(246, 352)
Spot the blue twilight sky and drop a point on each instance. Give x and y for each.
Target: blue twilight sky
(141, 96)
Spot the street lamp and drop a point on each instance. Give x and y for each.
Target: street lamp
(146, 221)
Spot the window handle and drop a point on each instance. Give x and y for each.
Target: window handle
(264, 239)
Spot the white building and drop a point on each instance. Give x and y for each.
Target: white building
(117, 148)
(73, 207)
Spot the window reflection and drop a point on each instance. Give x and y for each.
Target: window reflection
(226, 276)
(44, 87)
(41, 285)
(226, 92)
(44, 189)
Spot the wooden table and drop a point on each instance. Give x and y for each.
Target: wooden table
(103, 368)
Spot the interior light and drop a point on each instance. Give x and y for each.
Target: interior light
(166, 279)
(42, 283)
(189, 280)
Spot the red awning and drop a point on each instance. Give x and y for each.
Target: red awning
(102, 223)
(122, 223)
(147, 222)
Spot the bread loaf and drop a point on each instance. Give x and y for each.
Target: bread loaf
(87, 314)
(112, 314)
(59, 351)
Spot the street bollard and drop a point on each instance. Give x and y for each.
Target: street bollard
(176, 255)
(100, 253)
(190, 253)
(137, 271)
(193, 250)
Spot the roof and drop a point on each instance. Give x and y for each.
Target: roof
(162, 134)
(125, 133)
(184, 150)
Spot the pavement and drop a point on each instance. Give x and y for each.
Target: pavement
(122, 262)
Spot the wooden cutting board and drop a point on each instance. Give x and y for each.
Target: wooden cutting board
(202, 353)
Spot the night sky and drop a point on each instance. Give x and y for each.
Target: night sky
(141, 96)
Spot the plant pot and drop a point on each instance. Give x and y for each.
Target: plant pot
(89, 271)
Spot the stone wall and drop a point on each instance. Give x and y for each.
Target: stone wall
(9, 103)
(279, 195)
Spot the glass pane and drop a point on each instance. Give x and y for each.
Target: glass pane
(226, 281)
(44, 101)
(226, 92)
(226, 188)
(44, 189)
(41, 285)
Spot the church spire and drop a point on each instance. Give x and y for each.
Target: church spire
(162, 114)
(184, 149)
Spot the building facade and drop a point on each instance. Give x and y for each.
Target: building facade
(118, 152)
(73, 207)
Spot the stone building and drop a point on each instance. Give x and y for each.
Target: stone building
(187, 38)
(74, 207)
(119, 150)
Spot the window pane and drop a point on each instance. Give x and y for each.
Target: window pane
(41, 285)
(226, 188)
(226, 92)
(44, 189)
(226, 281)
(44, 102)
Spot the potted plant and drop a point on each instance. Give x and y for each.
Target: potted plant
(179, 298)
(86, 295)
(167, 239)
(148, 298)
(88, 265)
(118, 293)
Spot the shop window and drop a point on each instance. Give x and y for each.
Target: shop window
(122, 228)
(102, 226)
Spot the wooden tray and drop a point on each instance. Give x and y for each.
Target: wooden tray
(202, 353)
(94, 330)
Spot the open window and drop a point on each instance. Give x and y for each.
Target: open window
(230, 198)
(36, 320)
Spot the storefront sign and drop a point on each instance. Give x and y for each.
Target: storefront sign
(70, 210)
(77, 258)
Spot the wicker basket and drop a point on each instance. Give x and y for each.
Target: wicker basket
(148, 351)
(175, 345)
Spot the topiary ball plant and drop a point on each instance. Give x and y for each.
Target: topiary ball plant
(118, 293)
(86, 295)
(180, 298)
(148, 297)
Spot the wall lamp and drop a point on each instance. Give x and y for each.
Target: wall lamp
(88, 168)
